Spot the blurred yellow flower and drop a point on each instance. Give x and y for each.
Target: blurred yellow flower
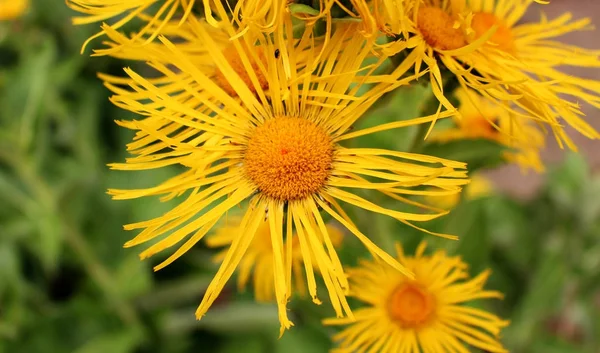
(424, 314)
(270, 132)
(258, 259)
(11, 9)
(483, 119)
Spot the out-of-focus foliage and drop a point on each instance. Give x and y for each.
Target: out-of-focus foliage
(67, 285)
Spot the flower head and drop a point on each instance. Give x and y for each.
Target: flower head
(278, 146)
(513, 66)
(423, 314)
(527, 57)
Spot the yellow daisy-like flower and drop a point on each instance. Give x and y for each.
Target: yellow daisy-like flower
(258, 259)
(527, 55)
(277, 145)
(482, 119)
(428, 32)
(479, 187)
(390, 16)
(424, 314)
(156, 14)
(11, 9)
(512, 65)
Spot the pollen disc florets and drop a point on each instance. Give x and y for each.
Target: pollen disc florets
(502, 38)
(233, 58)
(410, 305)
(288, 158)
(437, 28)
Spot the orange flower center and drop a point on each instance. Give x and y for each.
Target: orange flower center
(502, 38)
(436, 27)
(411, 305)
(289, 158)
(233, 58)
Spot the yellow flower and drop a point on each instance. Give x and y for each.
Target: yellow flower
(389, 16)
(477, 188)
(277, 145)
(431, 38)
(11, 9)
(258, 259)
(483, 119)
(156, 14)
(527, 57)
(424, 314)
(514, 66)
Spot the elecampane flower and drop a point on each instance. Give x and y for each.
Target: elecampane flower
(258, 259)
(390, 16)
(512, 65)
(277, 145)
(529, 53)
(428, 313)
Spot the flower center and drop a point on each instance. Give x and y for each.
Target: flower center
(502, 38)
(233, 58)
(410, 305)
(436, 27)
(289, 158)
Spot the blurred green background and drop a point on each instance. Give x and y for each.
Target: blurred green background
(67, 285)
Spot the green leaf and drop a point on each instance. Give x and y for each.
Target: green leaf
(543, 297)
(301, 341)
(118, 342)
(477, 153)
(246, 344)
(174, 292)
(298, 9)
(242, 317)
(51, 238)
(133, 277)
(233, 318)
(468, 221)
(400, 104)
(9, 267)
(554, 345)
